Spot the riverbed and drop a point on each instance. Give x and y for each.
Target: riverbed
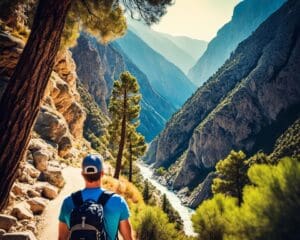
(184, 212)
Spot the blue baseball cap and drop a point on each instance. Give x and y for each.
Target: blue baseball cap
(92, 164)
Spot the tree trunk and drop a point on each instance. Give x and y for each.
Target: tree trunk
(20, 103)
(130, 161)
(122, 140)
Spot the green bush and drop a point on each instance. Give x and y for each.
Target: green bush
(270, 208)
(160, 171)
(153, 224)
(211, 220)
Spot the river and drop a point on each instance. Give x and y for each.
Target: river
(184, 212)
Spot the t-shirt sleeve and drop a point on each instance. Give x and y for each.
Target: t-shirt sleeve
(64, 212)
(125, 213)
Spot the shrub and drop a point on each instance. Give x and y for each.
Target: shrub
(152, 224)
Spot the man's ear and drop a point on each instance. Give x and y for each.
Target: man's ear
(102, 173)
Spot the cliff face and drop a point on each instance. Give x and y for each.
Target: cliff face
(247, 16)
(98, 66)
(61, 117)
(246, 105)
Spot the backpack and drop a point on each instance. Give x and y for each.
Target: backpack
(87, 217)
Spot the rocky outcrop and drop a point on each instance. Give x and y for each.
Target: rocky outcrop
(242, 106)
(93, 68)
(99, 65)
(247, 16)
(61, 118)
(57, 134)
(201, 192)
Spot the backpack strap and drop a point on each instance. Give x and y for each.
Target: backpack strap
(77, 198)
(104, 197)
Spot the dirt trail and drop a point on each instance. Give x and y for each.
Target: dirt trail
(48, 228)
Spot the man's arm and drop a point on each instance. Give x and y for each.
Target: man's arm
(125, 230)
(63, 231)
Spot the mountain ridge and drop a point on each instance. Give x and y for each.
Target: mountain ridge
(247, 16)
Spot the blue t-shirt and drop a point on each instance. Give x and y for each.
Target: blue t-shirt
(115, 210)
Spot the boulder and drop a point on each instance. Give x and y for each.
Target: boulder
(64, 146)
(50, 124)
(22, 211)
(18, 189)
(201, 192)
(31, 171)
(28, 235)
(40, 160)
(49, 191)
(54, 176)
(7, 221)
(37, 205)
(32, 193)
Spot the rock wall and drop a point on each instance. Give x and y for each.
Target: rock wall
(61, 117)
(57, 137)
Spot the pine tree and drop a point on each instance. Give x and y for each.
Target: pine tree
(124, 109)
(232, 175)
(136, 148)
(146, 192)
(21, 100)
(165, 203)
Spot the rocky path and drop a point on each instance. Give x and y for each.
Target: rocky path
(48, 227)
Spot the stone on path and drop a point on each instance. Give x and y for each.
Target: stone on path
(19, 236)
(40, 160)
(7, 221)
(49, 191)
(54, 176)
(22, 211)
(37, 205)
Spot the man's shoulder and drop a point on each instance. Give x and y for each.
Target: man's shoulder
(116, 198)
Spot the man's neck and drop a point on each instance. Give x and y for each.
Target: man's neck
(92, 184)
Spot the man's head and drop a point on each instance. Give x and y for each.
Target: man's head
(92, 168)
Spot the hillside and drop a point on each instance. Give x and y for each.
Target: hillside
(247, 16)
(163, 76)
(240, 106)
(99, 65)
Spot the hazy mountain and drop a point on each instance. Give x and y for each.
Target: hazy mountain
(163, 45)
(247, 16)
(165, 78)
(251, 100)
(193, 47)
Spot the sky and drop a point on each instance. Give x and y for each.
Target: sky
(200, 19)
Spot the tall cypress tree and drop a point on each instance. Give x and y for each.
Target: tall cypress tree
(124, 109)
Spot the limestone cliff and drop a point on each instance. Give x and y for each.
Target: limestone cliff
(246, 105)
(99, 65)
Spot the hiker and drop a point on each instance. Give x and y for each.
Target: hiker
(94, 213)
